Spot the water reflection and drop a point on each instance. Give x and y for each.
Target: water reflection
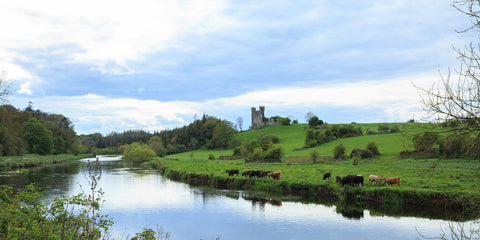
(137, 198)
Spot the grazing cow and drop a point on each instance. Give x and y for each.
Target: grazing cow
(376, 179)
(264, 173)
(338, 179)
(232, 172)
(358, 180)
(275, 175)
(348, 180)
(326, 175)
(393, 180)
(255, 174)
(247, 173)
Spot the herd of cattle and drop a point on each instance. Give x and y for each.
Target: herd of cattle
(260, 173)
(352, 180)
(357, 180)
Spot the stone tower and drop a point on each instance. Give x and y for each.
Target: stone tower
(258, 117)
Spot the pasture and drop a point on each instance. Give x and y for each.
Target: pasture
(453, 178)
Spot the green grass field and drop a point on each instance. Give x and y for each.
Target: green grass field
(455, 177)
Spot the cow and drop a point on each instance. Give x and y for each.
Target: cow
(232, 172)
(376, 179)
(393, 180)
(247, 173)
(326, 175)
(348, 180)
(264, 173)
(255, 174)
(358, 180)
(338, 179)
(275, 175)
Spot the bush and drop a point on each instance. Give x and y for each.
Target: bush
(363, 153)
(427, 142)
(137, 152)
(211, 156)
(314, 121)
(372, 146)
(339, 152)
(314, 155)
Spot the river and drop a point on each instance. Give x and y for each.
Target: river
(137, 198)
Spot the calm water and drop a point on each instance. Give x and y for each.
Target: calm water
(137, 198)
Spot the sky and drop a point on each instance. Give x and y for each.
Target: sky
(160, 64)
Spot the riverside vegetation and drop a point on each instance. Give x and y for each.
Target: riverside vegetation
(445, 183)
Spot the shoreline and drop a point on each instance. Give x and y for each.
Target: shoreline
(388, 201)
(9, 163)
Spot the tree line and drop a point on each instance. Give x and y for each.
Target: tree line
(34, 131)
(207, 133)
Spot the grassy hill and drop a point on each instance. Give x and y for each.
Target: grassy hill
(453, 182)
(293, 137)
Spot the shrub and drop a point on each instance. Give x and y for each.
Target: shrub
(427, 142)
(285, 121)
(211, 156)
(394, 129)
(314, 155)
(137, 152)
(314, 121)
(372, 146)
(339, 152)
(363, 153)
(237, 151)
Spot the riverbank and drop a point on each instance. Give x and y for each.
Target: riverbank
(33, 160)
(452, 185)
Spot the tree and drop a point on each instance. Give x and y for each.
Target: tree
(222, 134)
(4, 87)
(458, 97)
(38, 138)
(240, 123)
(309, 115)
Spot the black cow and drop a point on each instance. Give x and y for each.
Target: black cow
(357, 180)
(348, 180)
(326, 175)
(255, 174)
(338, 179)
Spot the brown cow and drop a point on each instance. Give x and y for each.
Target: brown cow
(232, 172)
(275, 175)
(247, 173)
(393, 180)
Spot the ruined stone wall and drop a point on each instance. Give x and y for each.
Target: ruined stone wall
(258, 117)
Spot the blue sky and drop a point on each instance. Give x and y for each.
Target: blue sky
(158, 64)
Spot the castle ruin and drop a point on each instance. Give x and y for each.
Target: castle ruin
(259, 120)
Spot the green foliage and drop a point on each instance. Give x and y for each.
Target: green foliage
(362, 153)
(314, 121)
(346, 130)
(38, 138)
(262, 151)
(285, 121)
(211, 156)
(372, 146)
(223, 134)
(23, 214)
(137, 152)
(339, 152)
(427, 142)
(314, 155)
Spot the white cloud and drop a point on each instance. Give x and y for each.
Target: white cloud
(395, 98)
(102, 32)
